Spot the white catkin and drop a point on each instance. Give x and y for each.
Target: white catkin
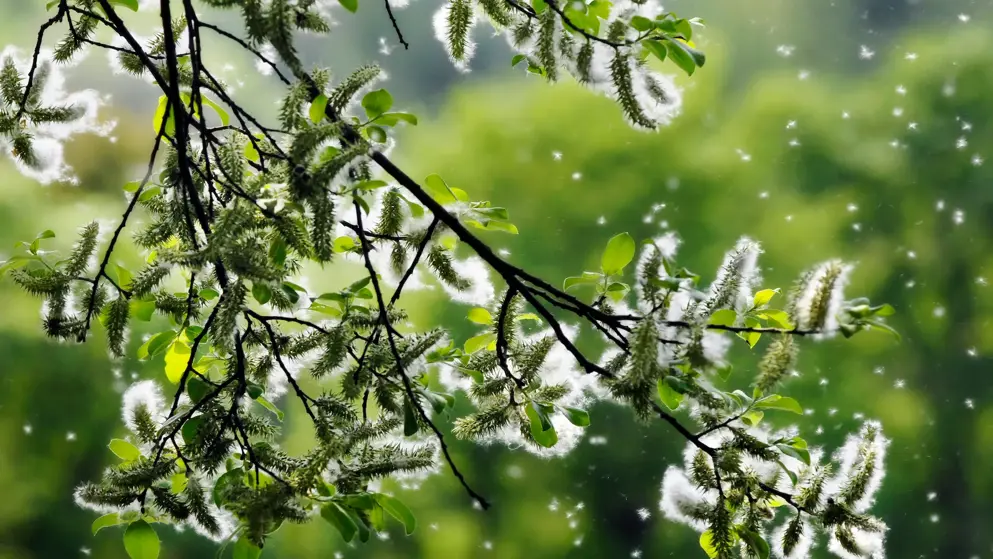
(145, 392)
(810, 293)
(871, 545)
(738, 272)
(679, 494)
(50, 138)
(803, 546)
(441, 31)
(850, 458)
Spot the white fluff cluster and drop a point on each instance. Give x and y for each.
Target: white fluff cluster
(49, 138)
(825, 286)
(667, 245)
(440, 22)
(147, 393)
(559, 368)
(737, 276)
(680, 496)
(867, 448)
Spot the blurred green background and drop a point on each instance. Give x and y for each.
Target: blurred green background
(793, 134)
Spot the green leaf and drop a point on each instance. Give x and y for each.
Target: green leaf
(190, 429)
(245, 549)
(156, 344)
(576, 416)
(142, 310)
(751, 338)
(544, 437)
(234, 476)
(399, 511)
(669, 396)
(480, 315)
(371, 184)
(105, 521)
(344, 244)
(439, 189)
(377, 102)
(376, 134)
(124, 450)
(251, 153)
(586, 279)
(124, 277)
(340, 520)
(253, 390)
(642, 23)
(176, 360)
(129, 4)
(160, 114)
(778, 319)
(755, 542)
(221, 113)
(476, 343)
(753, 417)
(325, 309)
(197, 389)
(883, 310)
(800, 454)
(793, 477)
(271, 407)
(391, 119)
(410, 425)
(777, 402)
(517, 60)
(277, 251)
(707, 544)
(363, 529)
(657, 48)
(350, 5)
(763, 297)
(317, 107)
(141, 541)
(884, 327)
(723, 317)
(684, 56)
(618, 254)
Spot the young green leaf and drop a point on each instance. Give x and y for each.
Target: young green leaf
(707, 544)
(576, 416)
(476, 343)
(544, 437)
(618, 254)
(669, 396)
(124, 450)
(399, 511)
(105, 521)
(763, 297)
(480, 315)
(377, 102)
(176, 360)
(317, 108)
(341, 520)
(777, 402)
(723, 317)
(141, 541)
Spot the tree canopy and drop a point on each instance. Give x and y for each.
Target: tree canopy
(237, 212)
